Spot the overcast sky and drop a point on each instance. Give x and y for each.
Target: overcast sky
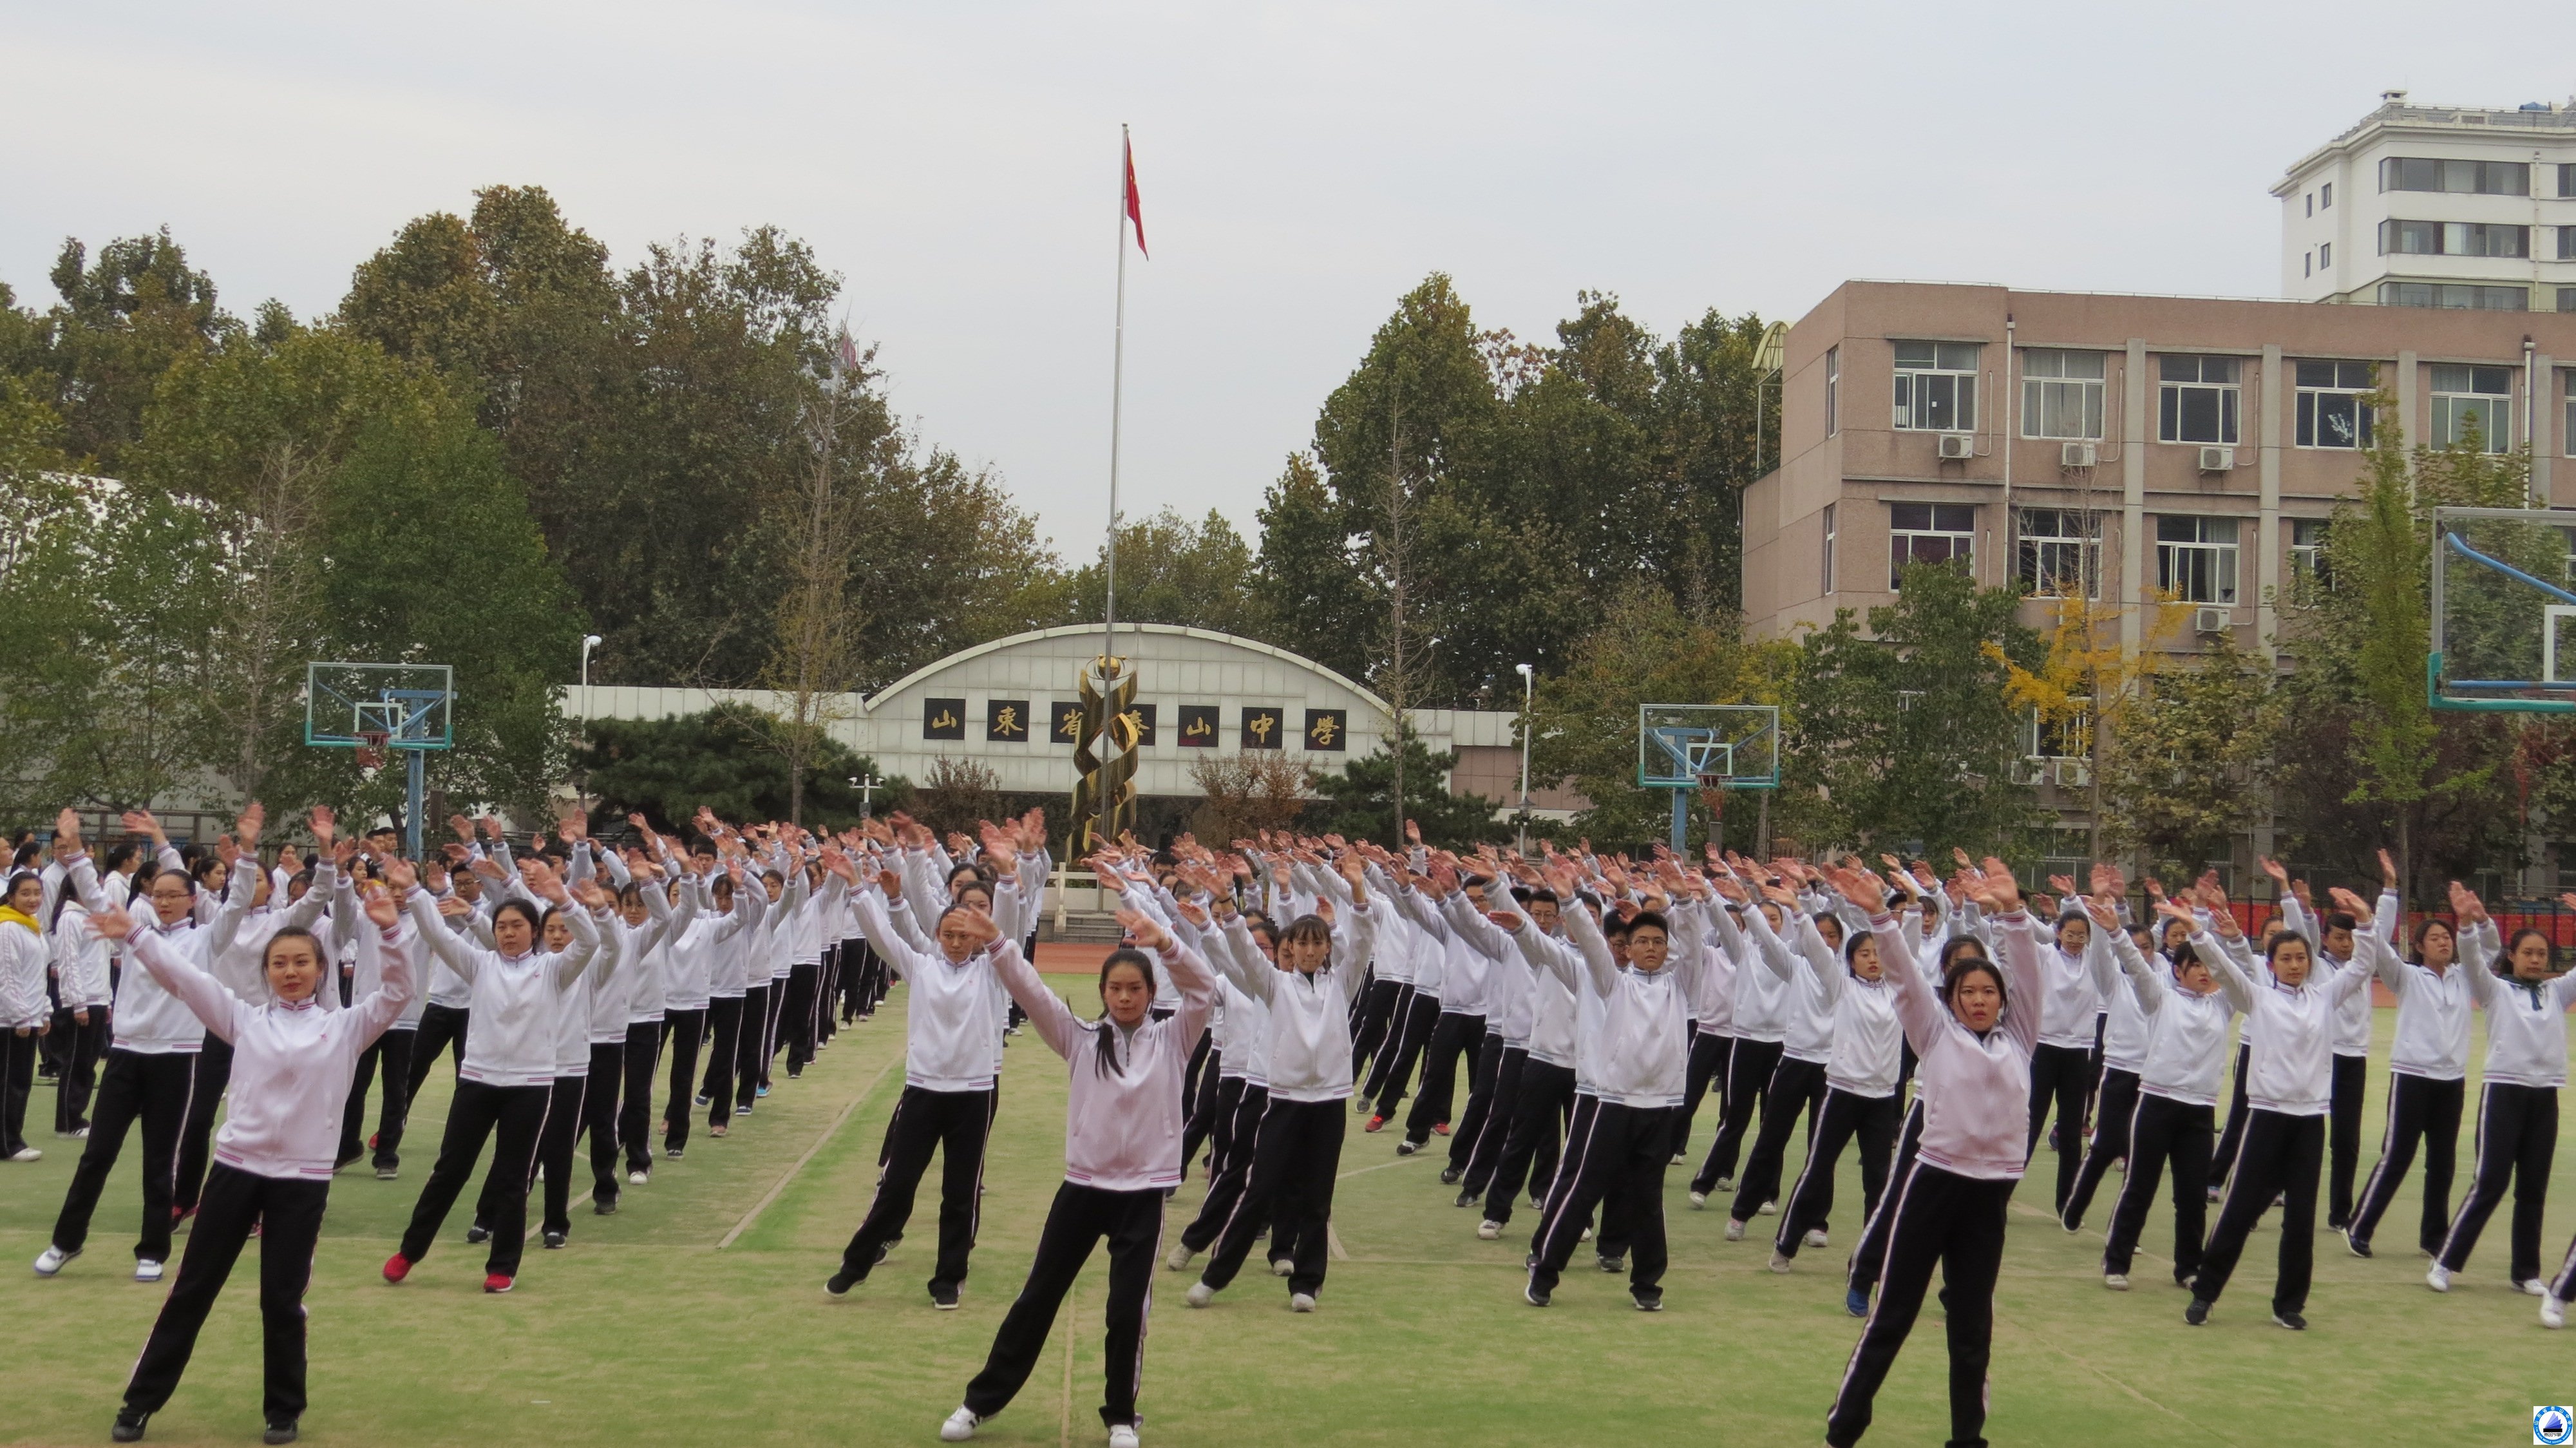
(1302, 166)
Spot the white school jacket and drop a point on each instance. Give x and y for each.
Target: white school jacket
(1806, 1015)
(518, 1001)
(1310, 1013)
(1552, 1012)
(80, 958)
(1247, 1017)
(2186, 1033)
(2432, 1012)
(1634, 1038)
(2072, 999)
(24, 955)
(292, 1064)
(2526, 1023)
(2292, 1028)
(1122, 1126)
(2127, 1031)
(1974, 1090)
(1507, 984)
(1868, 1043)
(954, 1022)
(147, 1019)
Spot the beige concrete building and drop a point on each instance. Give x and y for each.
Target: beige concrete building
(2113, 446)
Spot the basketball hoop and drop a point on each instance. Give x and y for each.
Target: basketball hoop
(371, 748)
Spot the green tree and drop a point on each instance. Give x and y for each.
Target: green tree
(1171, 570)
(124, 319)
(664, 769)
(2185, 766)
(1359, 802)
(1903, 737)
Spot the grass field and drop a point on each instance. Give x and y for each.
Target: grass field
(696, 1315)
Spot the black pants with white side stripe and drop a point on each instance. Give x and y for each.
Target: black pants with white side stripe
(1748, 1077)
(1869, 1256)
(81, 1048)
(2238, 1108)
(955, 1124)
(724, 1045)
(1957, 1224)
(1204, 1114)
(751, 1050)
(800, 1015)
(2517, 1141)
(17, 1079)
(512, 1117)
(2058, 1076)
(1132, 1223)
(643, 1061)
(392, 1053)
(441, 1028)
(1296, 1152)
(2351, 1083)
(1616, 1153)
(2278, 1156)
(287, 1211)
(137, 1088)
(214, 1068)
(1871, 1119)
(599, 1116)
(1454, 1034)
(1376, 1018)
(1480, 1102)
(683, 1032)
(2164, 1132)
(1241, 1106)
(1540, 1106)
(1709, 1054)
(2420, 1110)
(1795, 1086)
(2114, 1101)
(1392, 1073)
(1493, 1128)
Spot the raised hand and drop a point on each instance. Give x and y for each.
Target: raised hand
(1859, 887)
(254, 816)
(67, 834)
(2387, 871)
(401, 877)
(112, 923)
(463, 827)
(382, 908)
(1140, 927)
(2002, 888)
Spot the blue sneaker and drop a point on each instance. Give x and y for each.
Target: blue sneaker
(1856, 1302)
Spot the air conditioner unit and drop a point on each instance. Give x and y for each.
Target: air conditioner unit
(2217, 459)
(2210, 620)
(1958, 446)
(2072, 774)
(2079, 455)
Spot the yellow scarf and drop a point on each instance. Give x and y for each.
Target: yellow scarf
(11, 915)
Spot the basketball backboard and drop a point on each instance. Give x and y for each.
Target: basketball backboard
(1710, 746)
(2504, 616)
(378, 706)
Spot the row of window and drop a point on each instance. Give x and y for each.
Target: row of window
(2060, 549)
(2471, 178)
(2466, 296)
(2462, 238)
(2199, 399)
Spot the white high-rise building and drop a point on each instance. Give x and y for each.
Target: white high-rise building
(2436, 206)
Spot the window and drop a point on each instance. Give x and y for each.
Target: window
(2567, 434)
(2486, 178)
(2325, 196)
(2567, 299)
(2196, 559)
(1928, 533)
(2334, 410)
(2197, 402)
(2567, 178)
(1829, 548)
(2069, 736)
(2312, 203)
(2453, 238)
(1833, 390)
(2307, 263)
(2307, 555)
(2454, 295)
(2325, 255)
(2566, 246)
(2061, 553)
(1936, 386)
(2061, 393)
(2467, 399)
(2570, 535)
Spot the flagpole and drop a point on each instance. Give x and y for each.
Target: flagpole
(1117, 386)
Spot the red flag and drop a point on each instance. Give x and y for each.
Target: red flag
(849, 352)
(1135, 207)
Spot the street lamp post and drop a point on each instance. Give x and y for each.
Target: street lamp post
(588, 642)
(867, 789)
(1529, 681)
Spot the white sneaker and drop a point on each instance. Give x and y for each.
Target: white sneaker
(1726, 1184)
(1770, 1207)
(2116, 1281)
(1281, 1266)
(1699, 1201)
(1734, 1230)
(2439, 1279)
(1489, 1230)
(146, 1270)
(1780, 1263)
(2553, 1313)
(2533, 1287)
(1123, 1436)
(1587, 1235)
(1815, 1237)
(1178, 1258)
(1199, 1295)
(26, 1153)
(51, 1260)
(636, 1178)
(959, 1427)
(1301, 1302)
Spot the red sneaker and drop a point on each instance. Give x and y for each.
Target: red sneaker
(181, 1214)
(371, 1136)
(1440, 1128)
(397, 1267)
(1376, 1123)
(497, 1282)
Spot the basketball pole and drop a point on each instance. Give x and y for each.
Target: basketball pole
(414, 771)
(1681, 821)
